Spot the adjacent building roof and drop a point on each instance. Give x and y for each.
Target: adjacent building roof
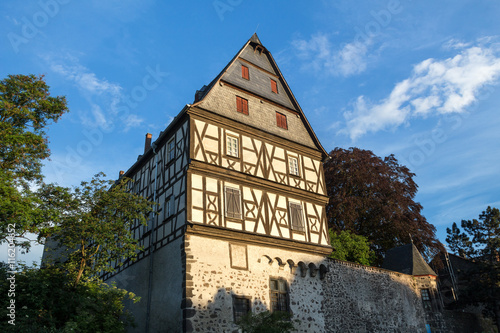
(408, 260)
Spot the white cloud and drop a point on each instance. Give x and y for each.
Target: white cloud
(434, 87)
(103, 96)
(132, 121)
(322, 55)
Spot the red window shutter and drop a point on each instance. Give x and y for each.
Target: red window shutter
(244, 106)
(239, 104)
(274, 86)
(244, 72)
(281, 120)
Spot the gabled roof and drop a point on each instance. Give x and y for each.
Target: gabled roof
(287, 99)
(408, 260)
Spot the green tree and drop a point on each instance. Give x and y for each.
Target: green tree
(268, 322)
(26, 109)
(351, 247)
(374, 198)
(47, 301)
(480, 242)
(94, 223)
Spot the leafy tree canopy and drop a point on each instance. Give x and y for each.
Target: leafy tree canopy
(374, 198)
(480, 239)
(26, 109)
(93, 225)
(480, 242)
(47, 301)
(351, 247)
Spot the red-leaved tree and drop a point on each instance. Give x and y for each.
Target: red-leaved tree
(374, 197)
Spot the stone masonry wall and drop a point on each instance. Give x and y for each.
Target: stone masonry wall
(366, 299)
(215, 272)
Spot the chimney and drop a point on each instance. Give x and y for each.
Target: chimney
(121, 174)
(147, 145)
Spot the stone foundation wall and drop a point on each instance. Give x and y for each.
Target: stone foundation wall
(217, 270)
(366, 299)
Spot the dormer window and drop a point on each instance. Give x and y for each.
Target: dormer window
(281, 120)
(244, 72)
(241, 105)
(274, 86)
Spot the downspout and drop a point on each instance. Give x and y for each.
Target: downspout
(152, 241)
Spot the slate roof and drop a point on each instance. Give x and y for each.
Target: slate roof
(408, 260)
(290, 102)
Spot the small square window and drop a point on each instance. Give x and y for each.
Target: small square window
(232, 146)
(274, 86)
(296, 219)
(281, 120)
(233, 202)
(293, 165)
(244, 72)
(241, 307)
(171, 150)
(242, 105)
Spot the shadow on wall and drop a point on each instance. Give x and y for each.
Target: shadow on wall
(269, 284)
(367, 299)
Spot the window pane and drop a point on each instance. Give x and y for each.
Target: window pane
(232, 146)
(294, 166)
(241, 306)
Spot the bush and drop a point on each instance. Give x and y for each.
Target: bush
(268, 322)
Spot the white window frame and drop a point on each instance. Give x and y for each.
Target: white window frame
(171, 150)
(295, 210)
(232, 146)
(293, 165)
(227, 204)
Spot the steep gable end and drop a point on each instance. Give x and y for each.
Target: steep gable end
(252, 90)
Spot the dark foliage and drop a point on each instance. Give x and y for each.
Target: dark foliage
(374, 198)
(480, 242)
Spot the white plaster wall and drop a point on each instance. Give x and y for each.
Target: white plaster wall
(252, 157)
(214, 281)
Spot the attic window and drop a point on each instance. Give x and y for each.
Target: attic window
(281, 120)
(258, 49)
(244, 72)
(274, 86)
(241, 105)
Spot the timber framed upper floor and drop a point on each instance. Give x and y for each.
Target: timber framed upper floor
(242, 157)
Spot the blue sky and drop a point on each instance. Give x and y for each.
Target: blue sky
(418, 79)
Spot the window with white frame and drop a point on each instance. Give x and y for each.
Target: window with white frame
(296, 219)
(293, 165)
(171, 150)
(233, 202)
(232, 146)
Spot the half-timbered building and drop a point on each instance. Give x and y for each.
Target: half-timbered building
(241, 220)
